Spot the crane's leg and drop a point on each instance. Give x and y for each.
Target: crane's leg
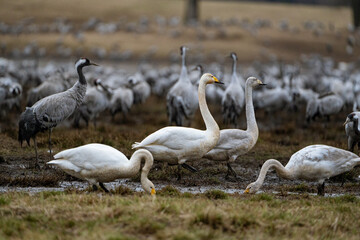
(36, 154)
(179, 173)
(103, 187)
(321, 189)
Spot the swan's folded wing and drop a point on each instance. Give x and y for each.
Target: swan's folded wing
(172, 137)
(231, 138)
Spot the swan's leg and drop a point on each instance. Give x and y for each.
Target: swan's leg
(36, 154)
(188, 167)
(179, 173)
(50, 130)
(103, 187)
(95, 188)
(230, 171)
(321, 189)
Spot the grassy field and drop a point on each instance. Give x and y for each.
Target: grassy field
(249, 45)
(213, 215)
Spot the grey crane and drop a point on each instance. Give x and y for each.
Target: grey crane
(352, 130)
(182, 100)
(48, 112)
(233, 100)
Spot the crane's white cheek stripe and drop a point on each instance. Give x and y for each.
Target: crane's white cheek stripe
(81, 61)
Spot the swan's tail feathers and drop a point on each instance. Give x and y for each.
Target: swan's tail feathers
(65, 165)
(135, 145)
(55, 162)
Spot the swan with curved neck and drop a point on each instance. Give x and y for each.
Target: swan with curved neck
(176, 145)
(312, 163)
(236, 142)
(99, 163)
(233, 100)
(352, 130)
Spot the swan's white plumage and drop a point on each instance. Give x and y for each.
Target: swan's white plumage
(101, 163)
(236, 142)
(178, 144)
(312, 163)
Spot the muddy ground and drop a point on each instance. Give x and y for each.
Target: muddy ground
(281, 135)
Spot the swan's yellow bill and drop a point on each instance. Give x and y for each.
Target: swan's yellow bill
(247, 191)
(153, 192)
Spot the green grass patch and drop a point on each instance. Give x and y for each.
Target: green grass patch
(216, 194)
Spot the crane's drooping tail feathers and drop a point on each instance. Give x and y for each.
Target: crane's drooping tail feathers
(176, 110)
(29, 126)
(135, 145)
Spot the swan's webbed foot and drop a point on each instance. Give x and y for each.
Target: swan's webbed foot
(103, 187)
(188, 167)
(321, 189)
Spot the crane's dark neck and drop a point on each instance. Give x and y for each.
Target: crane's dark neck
(82, 79)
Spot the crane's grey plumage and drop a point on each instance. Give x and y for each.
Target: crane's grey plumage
(122, 100)
(233, 100)
(50, 111)
(324, 106)
(352, 130)
(182, 100)
(96, 101)
(141, 89)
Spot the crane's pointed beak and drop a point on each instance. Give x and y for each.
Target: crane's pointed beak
(346, 122)
(94, 64)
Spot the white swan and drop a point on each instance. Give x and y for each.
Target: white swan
(236, 142)
(176, 145)
(233, 100)
(312, 163)
(99, 163)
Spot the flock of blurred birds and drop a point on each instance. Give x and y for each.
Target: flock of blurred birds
(209, 29)
(321, 85)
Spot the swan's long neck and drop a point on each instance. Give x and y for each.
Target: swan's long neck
(139, 155)
(250, 112)
(210, 122)
(280, 169)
